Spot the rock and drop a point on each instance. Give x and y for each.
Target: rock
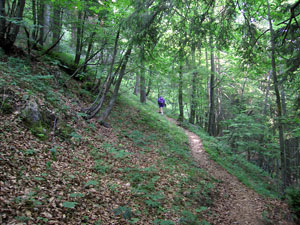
(36, 120)
(31, 114)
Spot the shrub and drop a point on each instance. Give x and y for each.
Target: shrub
(293, 196)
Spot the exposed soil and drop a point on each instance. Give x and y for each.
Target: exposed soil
(236, 203)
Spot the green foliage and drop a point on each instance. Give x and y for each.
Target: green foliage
(247, 172)
(116, 153)
(154, 200)
(189, 218)
(101, 166)
(22, 218)
(91, 183)
(163, 222)
(30, 152)
(40, 130)
(53, 152)
(70, 205)
(63, 58)
(65, 130)
(77, 195)
(293, 196)
(6, 105)
(123, 211)
(138, 138)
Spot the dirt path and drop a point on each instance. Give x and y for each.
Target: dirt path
(235, 203)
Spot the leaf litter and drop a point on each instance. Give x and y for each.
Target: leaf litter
(99, 175)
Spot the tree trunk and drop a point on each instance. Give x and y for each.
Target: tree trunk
(78, 38)
(194, 87)
(180, 85)
(278, 103)
(9, 31)
(96, 106)
(142, 76)
(206, 114)
(149, 82)
(2, 21)
(137, 85)
(90, 45)
(107, 111)
(46, 20)
(267, 94)
(34, 18)
(57, 24)
(41, 22)
(211, 117)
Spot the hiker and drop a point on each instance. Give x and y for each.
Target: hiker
(161, 104)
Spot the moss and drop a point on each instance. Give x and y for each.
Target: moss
(39, 130)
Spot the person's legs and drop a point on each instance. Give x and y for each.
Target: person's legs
(160, 108)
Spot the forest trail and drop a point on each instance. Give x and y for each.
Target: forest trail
(235, 203)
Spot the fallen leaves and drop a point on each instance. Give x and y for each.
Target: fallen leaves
(101, 175)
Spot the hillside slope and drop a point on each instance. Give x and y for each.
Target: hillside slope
(66, 170)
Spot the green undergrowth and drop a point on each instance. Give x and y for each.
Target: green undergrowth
(152, 132)
(248, 173)
(59, 58)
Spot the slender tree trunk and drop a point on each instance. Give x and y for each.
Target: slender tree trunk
(2, 21)
(41, 22)
(34, 18)
(267, 94)
(149, 82)
(142, 76)
(211, 117)
(96, 106)
(278, 103)
(47, 28)
(194, 87)
(180, 86)
(78, 38)
(288, 149)
(90, 45)
(57, 24)
(107, 111)
(206, 115)
(137, 84)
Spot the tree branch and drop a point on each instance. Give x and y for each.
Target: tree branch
(53, 46)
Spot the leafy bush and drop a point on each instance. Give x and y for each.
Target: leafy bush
(293, 196)
(248, 173)
(189, 218)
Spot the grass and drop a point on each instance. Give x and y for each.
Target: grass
(154, 136)
(248, 173)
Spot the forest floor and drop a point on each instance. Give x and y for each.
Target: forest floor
(139, 171)
(235, 203)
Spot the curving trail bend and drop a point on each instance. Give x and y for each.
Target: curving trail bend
(235, 203)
